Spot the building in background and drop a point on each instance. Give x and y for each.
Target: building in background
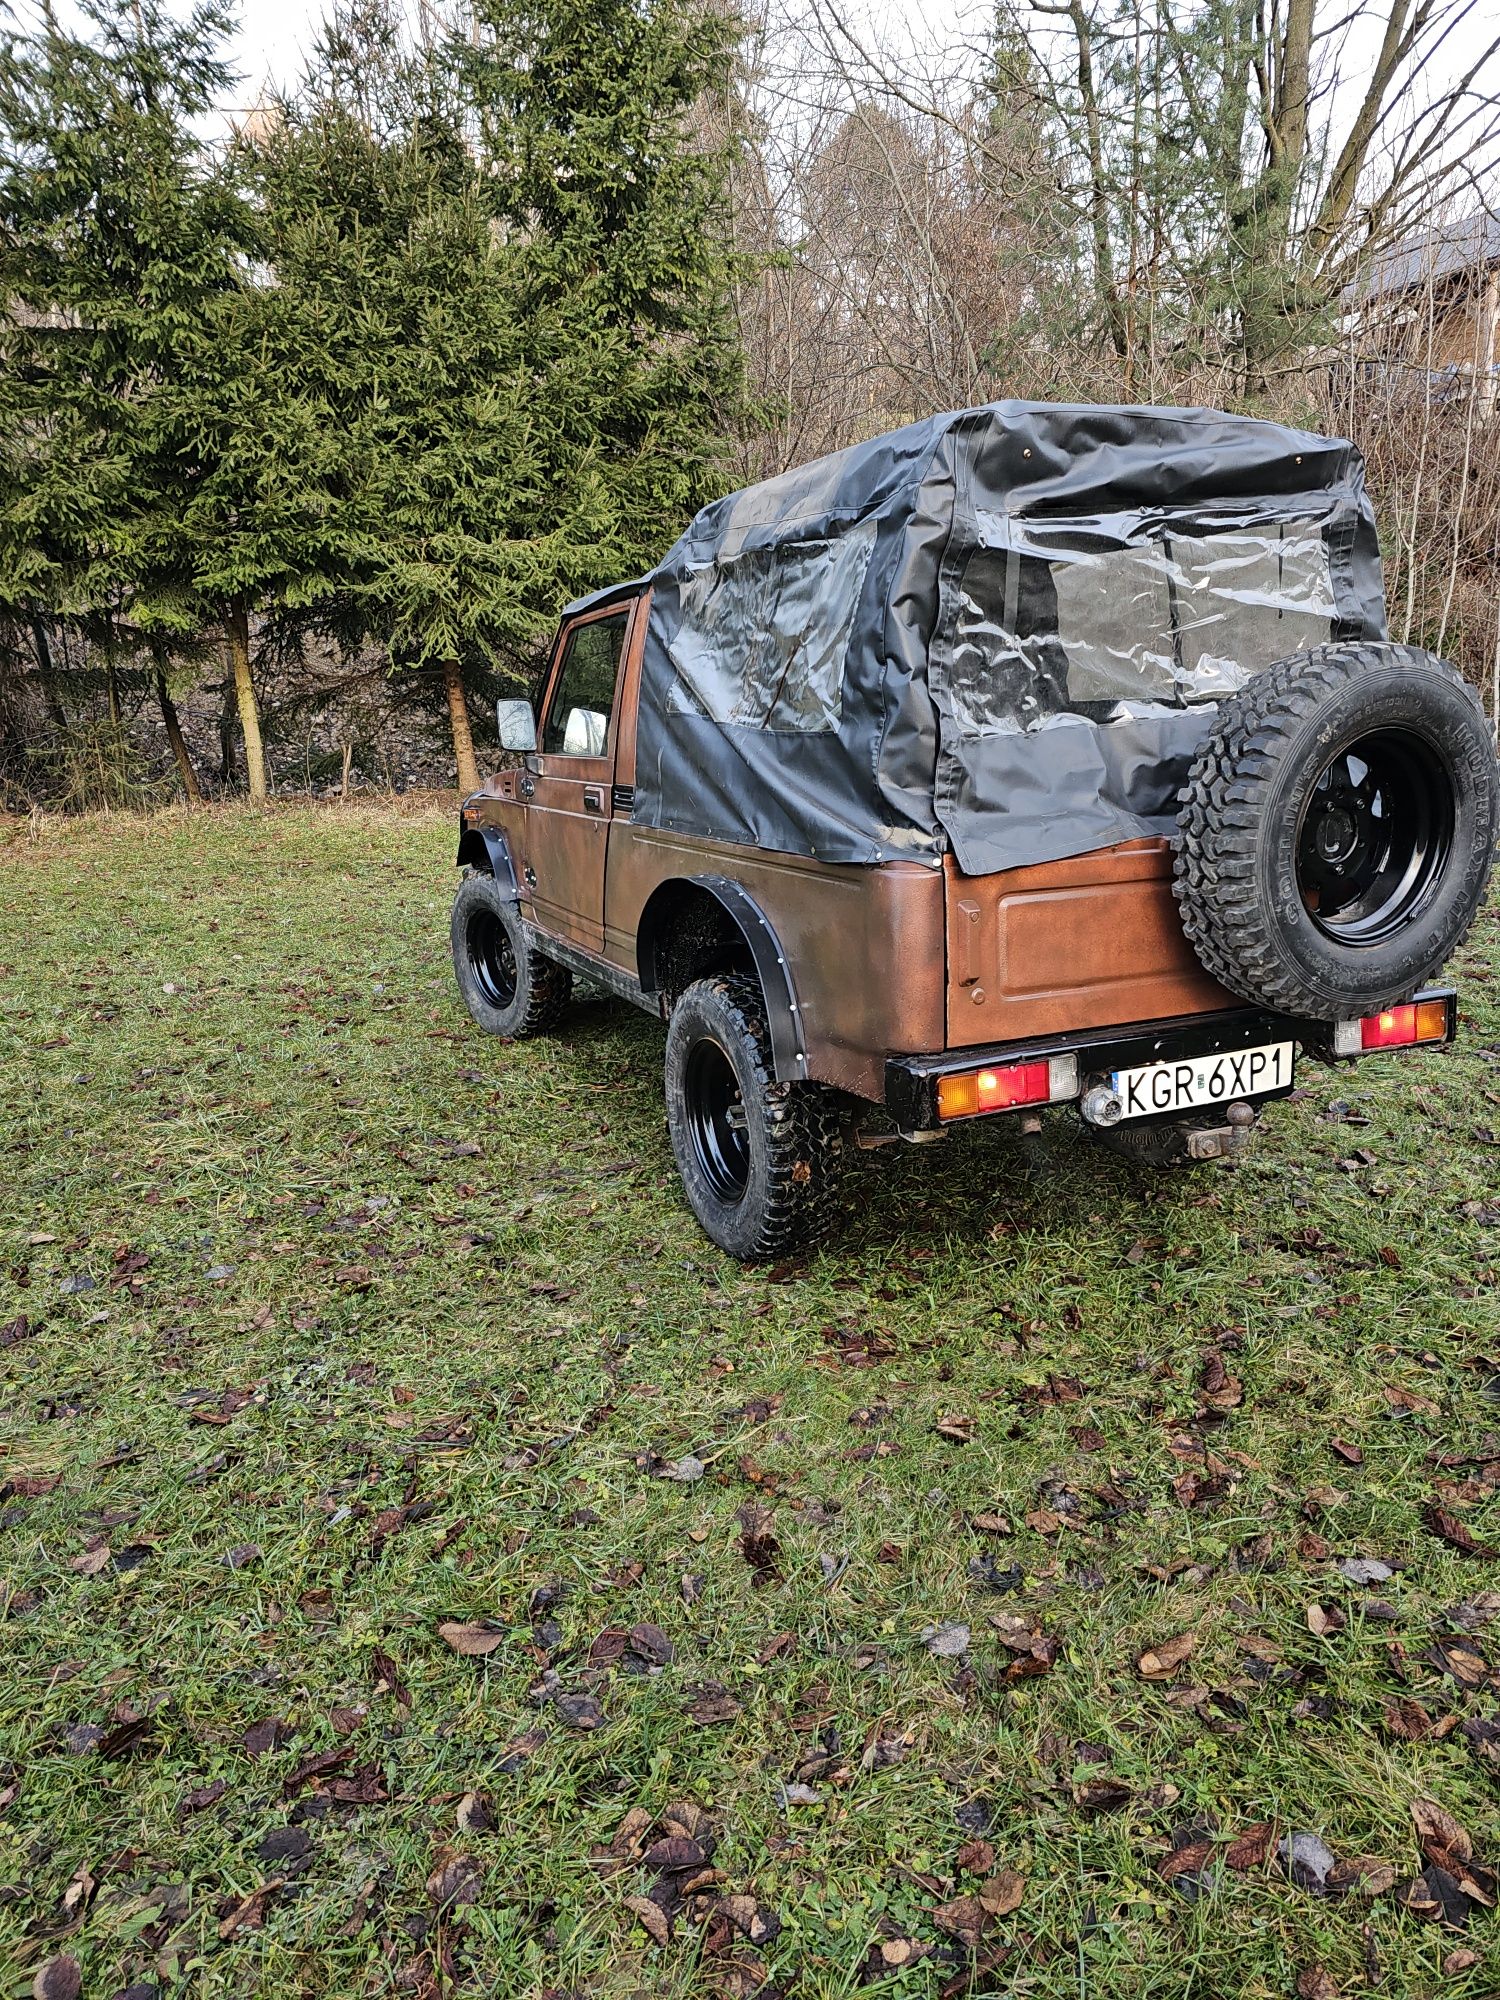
(1425, 316)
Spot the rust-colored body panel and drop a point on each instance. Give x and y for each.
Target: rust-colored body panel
(1090, 942)
(900, 959)
(864, 945)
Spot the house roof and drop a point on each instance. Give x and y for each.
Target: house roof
(1428, 256)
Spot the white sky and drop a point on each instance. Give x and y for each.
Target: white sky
(275, 36)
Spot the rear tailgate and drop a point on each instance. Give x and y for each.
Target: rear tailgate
(1070, 945)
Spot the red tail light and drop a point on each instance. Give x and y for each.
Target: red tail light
(1428, 1020)
(1006, 1086)
(1399, 1027)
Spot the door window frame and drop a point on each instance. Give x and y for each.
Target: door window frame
(560, 763)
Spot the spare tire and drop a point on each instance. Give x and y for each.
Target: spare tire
(1337, 830)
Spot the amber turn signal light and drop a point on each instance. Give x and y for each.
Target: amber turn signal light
(1006, 1087)
(1396, 1028)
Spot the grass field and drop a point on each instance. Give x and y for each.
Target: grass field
(326, 1324)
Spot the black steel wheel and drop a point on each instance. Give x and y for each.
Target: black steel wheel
(491, 956)
(1338, 829)
(716, 1121)
(510, 988)
(1376, 833)
(758, 1158)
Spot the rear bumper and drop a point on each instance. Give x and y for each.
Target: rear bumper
(911, 1082)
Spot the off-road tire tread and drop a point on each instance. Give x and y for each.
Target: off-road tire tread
(1224, 804)
(545, 987)
(804, 1130)
(549, 990)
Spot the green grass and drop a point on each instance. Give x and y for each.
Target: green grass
(308, 1264)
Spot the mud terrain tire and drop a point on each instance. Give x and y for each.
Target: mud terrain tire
(509, 988)
(758, 1158)
(1337, 830)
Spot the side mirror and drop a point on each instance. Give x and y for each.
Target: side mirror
(517, 724)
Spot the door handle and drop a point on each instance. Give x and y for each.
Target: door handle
(527, 786)
(593, 798)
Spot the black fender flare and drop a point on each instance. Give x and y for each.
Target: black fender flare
(487, 849)
(783, 1013)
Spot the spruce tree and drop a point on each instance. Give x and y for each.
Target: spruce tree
(530, 391)
(116, 234)
(379, 240)
(613, 196)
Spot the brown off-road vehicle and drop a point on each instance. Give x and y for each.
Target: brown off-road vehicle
(1026, 756)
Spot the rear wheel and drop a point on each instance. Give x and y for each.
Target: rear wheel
(509, 988)
(758, 1158)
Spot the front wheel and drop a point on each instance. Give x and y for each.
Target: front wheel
(510, 989)
(758, 1158)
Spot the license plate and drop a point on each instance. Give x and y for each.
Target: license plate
(1158, 1088)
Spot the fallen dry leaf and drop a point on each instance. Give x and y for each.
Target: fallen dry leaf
(455, 1879)
(202, 1798)
(61, 1978)
(475, 1814)
(1372, 1877)
(713, 1704)
(1159, 1663)
(1316, 1984)
(264, 1735)
(1251, 1847)
(316, 1767)
(1101, 1795)
(1440, 1836)
(249, 1912)
(1407, 1720)
(1457, 1534)
(1323, 1620)
(387, 1678)
(473, 1638)
(1219, 1390)
(751, 1919)
(1188, 1860)
(964, 1918)
(1003, 1893)
(580, 1711)
(653, 1919)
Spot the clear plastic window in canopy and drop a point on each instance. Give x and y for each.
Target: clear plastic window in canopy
(1055, 617)
(762, 634)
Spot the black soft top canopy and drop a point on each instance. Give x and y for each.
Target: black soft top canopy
(1002, 630)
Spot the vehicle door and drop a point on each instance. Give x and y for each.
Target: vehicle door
(569, 778)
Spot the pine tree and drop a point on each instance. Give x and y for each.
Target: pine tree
(615, 205)
(382, 255)
(116, 233)
(528, 402)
